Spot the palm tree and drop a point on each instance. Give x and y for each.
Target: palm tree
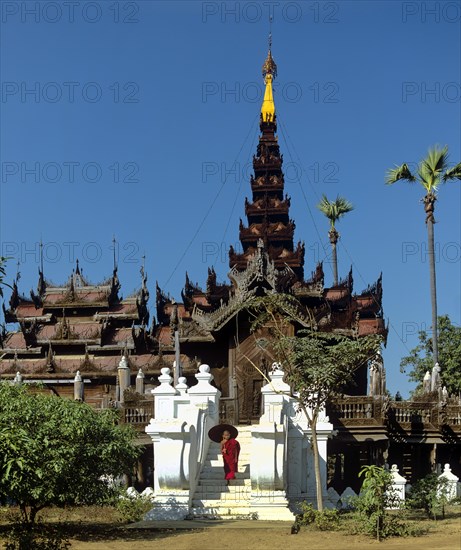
(333, 211)
(432, 171)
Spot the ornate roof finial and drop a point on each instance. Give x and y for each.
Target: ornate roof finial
(270, 32)
(269, 73)
(113, 247)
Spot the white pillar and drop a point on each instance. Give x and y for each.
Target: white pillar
(124, 377)
(140, 382)
(78, 387)
(204, 395)
(268, 452)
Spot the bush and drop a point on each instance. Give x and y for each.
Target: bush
(307, 514)
(132, 508)
(429, 494)
(326, 520)
(375, 497)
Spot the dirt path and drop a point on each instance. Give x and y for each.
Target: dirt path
(268, 536)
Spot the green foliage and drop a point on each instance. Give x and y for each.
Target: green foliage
(54, 451)
(432, 171)
(421, 358)
(334, 210)
(326, 520)
(132, 508)
(429, 494)
(375, 496)
(36, 537)
(307, 514)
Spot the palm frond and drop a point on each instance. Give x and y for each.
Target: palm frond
(334, 210)
(437, 159)
(399, 173)
(453, 173)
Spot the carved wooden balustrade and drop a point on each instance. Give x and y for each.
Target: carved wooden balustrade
(356, 411)
(369, 411)
(408, 413)
(138, 414)
(450, 416)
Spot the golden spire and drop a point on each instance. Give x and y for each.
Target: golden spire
(269, 74)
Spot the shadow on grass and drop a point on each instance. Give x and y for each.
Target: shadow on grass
(96, 532)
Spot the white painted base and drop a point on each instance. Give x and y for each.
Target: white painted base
(169, 507)
(270, 505)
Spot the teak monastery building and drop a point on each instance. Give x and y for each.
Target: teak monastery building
(86, 327)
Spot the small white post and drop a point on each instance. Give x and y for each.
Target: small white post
(78, 387)
(397, 490)
(140, 382)
(123, 377)
(452, 482)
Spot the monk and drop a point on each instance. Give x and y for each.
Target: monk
(230, 449)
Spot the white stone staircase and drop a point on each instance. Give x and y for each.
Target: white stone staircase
(213, 498)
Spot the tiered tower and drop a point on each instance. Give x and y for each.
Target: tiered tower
(268, 213)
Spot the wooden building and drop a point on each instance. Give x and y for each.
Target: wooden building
(86, 327)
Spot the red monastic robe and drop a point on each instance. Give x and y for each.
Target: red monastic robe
(230, 457)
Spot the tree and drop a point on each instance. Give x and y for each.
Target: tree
(334, 210)
(3, 261)
(421, 358)
(57, 452)
(432, 171)
(376, 495)
(317, 365)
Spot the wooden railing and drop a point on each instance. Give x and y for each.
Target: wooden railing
(413, 412)
(450, 416)
(351, 411)
(138, 415)
(364, 410)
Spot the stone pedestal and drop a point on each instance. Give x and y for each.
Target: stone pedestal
(268, 457)
(451, 490)
(397, 491)
(179, 431)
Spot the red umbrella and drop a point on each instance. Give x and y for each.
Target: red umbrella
(215, 433)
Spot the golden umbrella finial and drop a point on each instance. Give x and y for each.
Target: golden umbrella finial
(269, 73)
(270, 67)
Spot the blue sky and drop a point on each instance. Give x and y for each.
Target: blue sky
(128, 118)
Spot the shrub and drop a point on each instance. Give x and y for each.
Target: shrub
(324, 521)
(133, 508)
(429, 494)
(327, 520)
(375, 497)
(307, 514)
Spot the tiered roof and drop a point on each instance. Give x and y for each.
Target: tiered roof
(76, 326)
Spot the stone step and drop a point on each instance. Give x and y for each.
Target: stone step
(217, 483)
(218, 474)
(219, 470)
(221, 513)
(241, 497)
(218, 462)
(227, 506)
